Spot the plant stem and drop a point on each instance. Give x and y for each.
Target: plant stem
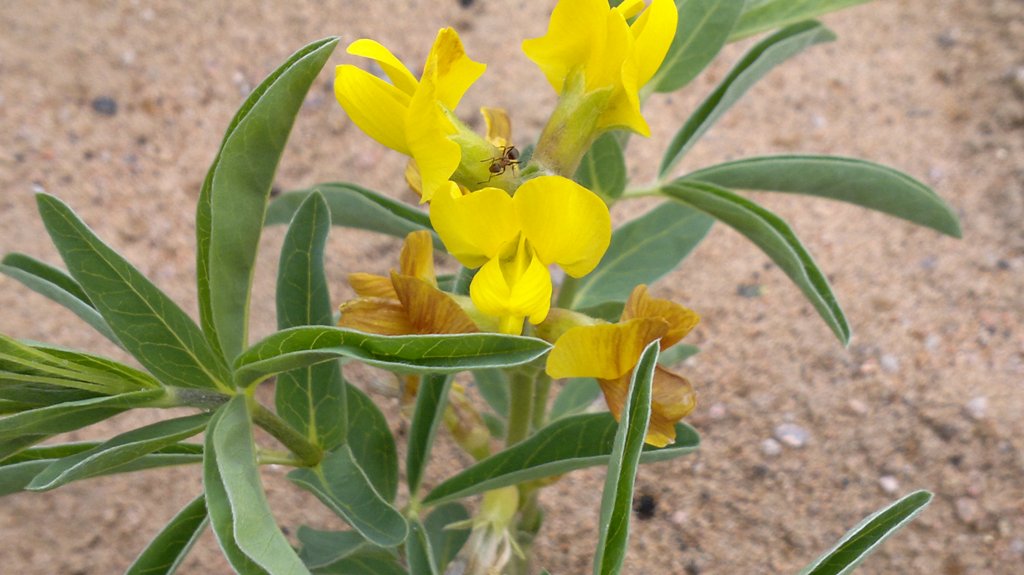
(566, 293)
(541, 388)
(308, 454)
(520, 405)
(201, 398)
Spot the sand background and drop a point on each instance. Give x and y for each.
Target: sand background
(928, 395)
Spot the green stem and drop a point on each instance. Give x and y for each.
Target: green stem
(571, 129)
(308, 454)
(541, 388)
(566, 293)
(520, 405)
(201, 398)
(275, 457)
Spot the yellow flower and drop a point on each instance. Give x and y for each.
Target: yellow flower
(512, 239)
(590, 38)
(407, 302)
(609, 352)
(412, 116)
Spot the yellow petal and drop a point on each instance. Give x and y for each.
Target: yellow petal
(610, 49)
(427, 130)
(429, 309)
(630, 8)
(513, 289)
(654, 31)
(623, 110)
(499, 127)
(378, 108)
(574, 28)
(564, 222)
(603, 351)
(400, 76)
(452, 69)
(672, 399)
(412, 178)
(417, 258)
(376, 315)
(680, 320)
(370, 285)
(476, 227)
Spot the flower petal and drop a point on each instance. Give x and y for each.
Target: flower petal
(681, 320)
(572, 31)
(474, 227)
(429, 309)
(603, 351)
(417, 259)
(370, 285)
(672, 399)
(427, 130)
(399, 75)
(564, 222)
(513, 289)
(499, 127)
(654, 31)
(453, 71)
(376, 315)
(378, 108)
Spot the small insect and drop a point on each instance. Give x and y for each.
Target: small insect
(509, 158)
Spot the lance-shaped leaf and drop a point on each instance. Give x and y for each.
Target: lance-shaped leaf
(642, 251)
(343, 487)
(418, 552)
(18, 470)
(578, 393)
(858, 182)
(322, 548)
(573, 442)
(770, 233)
(446, 542)
(72, 415)
(493, 387)
(431, 400)
(863, 539)
(372, 443)
(372, 561)
(118, 451)
(305, 346)
(704, 27)
(239, 512)
(763, 15)
(603, 168)
(168, 549)
(356, 207)
(233, 200)
(617, 497)
(56, 285)
(311, 399)
(151, 326)
(767, 54)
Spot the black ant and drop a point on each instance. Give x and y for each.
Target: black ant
(509, 158)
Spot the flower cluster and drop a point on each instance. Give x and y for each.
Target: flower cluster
(513, 223)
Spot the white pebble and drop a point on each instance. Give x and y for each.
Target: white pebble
(792, 434)
(890, 363)
(770, 447)
(889, 484)
(977, 407)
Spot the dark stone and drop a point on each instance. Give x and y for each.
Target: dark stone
(465, 3)
(105, 106)
(748, 290)
(645, 507)
(692, 568)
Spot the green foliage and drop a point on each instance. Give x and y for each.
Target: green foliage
(431, 399)
(763, 15)
(603, 169)
(165, 553)
(704, 27)
(372, 445)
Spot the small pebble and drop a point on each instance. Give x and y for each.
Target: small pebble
(947, 39)
(977, 407)
(968, 510)
(680, 518)
(858, 407)
(792, 434)
(465, 3)
(105, 106)
(645, 507)
(1017, 547)
(890, 363)
(717, 411)
(748, 290)
(771, 448)
(889, 484)
(932, 342)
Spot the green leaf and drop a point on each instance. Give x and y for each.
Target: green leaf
(365, 562)
(573, 442)
(56, 285)
(245, 523)
(97, 369)
(310, 399)
(444, 542)
(767, 54)
(233, 200)
(763, 15)
(355, 207)
(704, 26)
(304, 346)
(858, 182)
(863, 539)
(642, 251)
(343, 487)
(151, 326)
(603, 168)
(677, 354)
(775, 238)
(431, 399)
(578, 393)
(322, 548)
(418, 553)
(118, 451)
(617, 497)
(168, 549)
(372, 444)
(493, 387)
(72, 415)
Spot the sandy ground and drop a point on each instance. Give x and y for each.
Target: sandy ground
(927, 396)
